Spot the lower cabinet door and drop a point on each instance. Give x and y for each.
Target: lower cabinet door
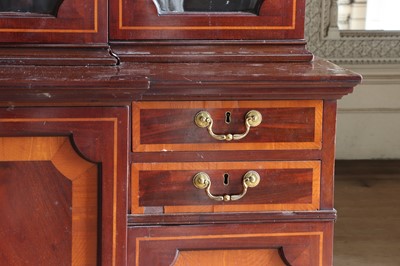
(272, 244)
(59, 200)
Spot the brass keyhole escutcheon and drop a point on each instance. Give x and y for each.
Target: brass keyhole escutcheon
(228, 117)
(226, 179)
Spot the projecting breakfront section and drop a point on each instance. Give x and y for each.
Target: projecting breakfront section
(169, 164)
(199, 196)
(233, 127)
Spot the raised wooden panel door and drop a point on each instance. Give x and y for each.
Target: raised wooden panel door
(63, 181)
(49, 203)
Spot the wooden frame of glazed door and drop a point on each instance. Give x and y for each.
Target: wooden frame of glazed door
(139, 20)
(76, 22)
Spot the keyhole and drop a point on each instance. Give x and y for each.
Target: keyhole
(227, 117)
(226, 179)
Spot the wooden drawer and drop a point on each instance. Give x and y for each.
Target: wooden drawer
(170, 126)
(159, 188)
(238, 244)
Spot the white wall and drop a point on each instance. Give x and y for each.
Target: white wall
(369, 119)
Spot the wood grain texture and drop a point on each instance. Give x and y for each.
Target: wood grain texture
(236, 257)
(169, 126)
(301, 243)
(35, 190)
(284, 186)
(35, 204)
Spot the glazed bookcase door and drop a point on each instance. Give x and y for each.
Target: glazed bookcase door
(35, 7)
(58, 186)
(168, 19)
(48, 21)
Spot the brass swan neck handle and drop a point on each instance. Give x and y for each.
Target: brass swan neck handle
(202, 181)
(252, 119)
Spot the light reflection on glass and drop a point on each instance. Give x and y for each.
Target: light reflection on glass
(209, 6)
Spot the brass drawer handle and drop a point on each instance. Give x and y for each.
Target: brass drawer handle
(202, 181)
(203, 119)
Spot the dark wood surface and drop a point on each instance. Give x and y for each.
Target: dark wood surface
(230, 218)
(50, 55)
(161, 81)
(212, 51)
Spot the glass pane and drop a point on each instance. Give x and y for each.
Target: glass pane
(31, 6)
(208, 6)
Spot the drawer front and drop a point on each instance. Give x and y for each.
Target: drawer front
(169, 187)
(171, 126)
(240, 244)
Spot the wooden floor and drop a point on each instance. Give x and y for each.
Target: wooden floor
(367, 198)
